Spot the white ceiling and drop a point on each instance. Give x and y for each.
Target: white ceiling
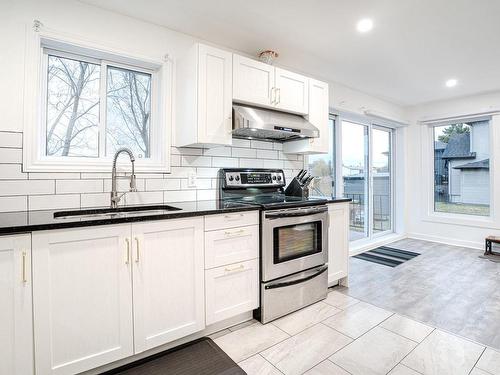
(414, 47)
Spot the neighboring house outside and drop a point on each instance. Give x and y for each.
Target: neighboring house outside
(466, 159)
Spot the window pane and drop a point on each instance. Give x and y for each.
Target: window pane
(72, 108)
(322, 167)
(128, 111)
(381, 153)
(355, 176)
(462, 168)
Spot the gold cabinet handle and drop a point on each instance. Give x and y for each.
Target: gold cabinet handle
(273, 95)
(23, 272)
(241, 267)
(127, 260)
(236, 233)
(136, 249)
(233, 217)
(278, 101)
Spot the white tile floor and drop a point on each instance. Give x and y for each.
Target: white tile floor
(342, 335)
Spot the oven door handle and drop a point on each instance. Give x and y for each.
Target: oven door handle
(295, 213)
(297, 281)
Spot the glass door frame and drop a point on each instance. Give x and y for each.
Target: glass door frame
(339, 187)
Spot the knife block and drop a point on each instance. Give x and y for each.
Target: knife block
(296, 189)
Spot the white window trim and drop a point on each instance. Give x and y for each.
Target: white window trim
(33, 153)
(428, 214)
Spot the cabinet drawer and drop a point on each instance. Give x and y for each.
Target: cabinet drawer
(232, 220)
(231, 290)
(228, 246)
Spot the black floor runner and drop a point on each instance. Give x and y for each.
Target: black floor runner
(387, 256)
(199, 357)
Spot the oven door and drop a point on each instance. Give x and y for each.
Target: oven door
(293, 240)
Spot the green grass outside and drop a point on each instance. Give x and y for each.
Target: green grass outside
(465, 209)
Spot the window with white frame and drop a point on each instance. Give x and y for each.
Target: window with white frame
(462, 168)
(94, 103)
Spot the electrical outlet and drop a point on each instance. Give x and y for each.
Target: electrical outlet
(191, 179)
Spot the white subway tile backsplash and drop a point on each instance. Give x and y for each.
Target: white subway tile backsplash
(163, 184)
(240, 152)
(35, 190)
(251, 163)
(267, 154)
(11, 139)
(79, 186)
(11, 155)
(95, 200)
(196, 161)
(47, 202)
(205, 195)
(12, 172)
(217, 151)
(27, 187)
(261, 144)
(241, 142)
(179, 196)
(53, 176)
(12, 204)
(224, 162)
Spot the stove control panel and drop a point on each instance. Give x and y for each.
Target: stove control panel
(254, 178)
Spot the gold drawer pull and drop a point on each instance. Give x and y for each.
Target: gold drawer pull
(137, 249)
(127, 260)
(241, 267)
(235, 233)
(233, 217)
(23, 276)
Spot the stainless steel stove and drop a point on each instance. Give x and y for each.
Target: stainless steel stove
(294, 239)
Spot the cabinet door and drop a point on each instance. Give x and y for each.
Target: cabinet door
(232, 290)
(292, 91)
(338, 242)
(318, 115)
(214, 96)
(252, 81)
(82, 297)
(16, 338)
(168, 281)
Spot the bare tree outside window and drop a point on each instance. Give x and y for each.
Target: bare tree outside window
(128, 111)
(72, 108)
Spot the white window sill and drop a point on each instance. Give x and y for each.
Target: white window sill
(463, 220)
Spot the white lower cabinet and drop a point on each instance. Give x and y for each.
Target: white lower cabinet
(16, 331)
(100, 290)
(168, 281)
(82, 297)
(338, 242)
(231, 290)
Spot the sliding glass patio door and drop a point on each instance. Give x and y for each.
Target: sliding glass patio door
(366, 158)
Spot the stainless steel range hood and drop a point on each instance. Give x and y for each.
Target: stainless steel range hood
(259, 123)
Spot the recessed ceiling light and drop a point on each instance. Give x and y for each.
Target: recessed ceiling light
(365, 25)
(451, 82)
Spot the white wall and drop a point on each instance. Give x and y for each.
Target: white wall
(420, 224)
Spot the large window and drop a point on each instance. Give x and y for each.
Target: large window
(462, 168)
(322, 167)
(93, 102)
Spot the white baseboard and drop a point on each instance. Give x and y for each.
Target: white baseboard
(446, 240)
(365, 246)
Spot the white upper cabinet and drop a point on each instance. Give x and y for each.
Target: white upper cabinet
(16, 338)
(263, 85)
(253, 82)
(204, 98)
(82, 297)
(318, 103)
(168, 281)
(291, 91)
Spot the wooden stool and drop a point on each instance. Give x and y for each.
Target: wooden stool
(489, 241)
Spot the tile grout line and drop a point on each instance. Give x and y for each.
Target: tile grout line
(477, 361)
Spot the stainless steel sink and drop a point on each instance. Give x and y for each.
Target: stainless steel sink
(116, 212)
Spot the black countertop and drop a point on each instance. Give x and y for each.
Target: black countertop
(30, 221)
(332, 199)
